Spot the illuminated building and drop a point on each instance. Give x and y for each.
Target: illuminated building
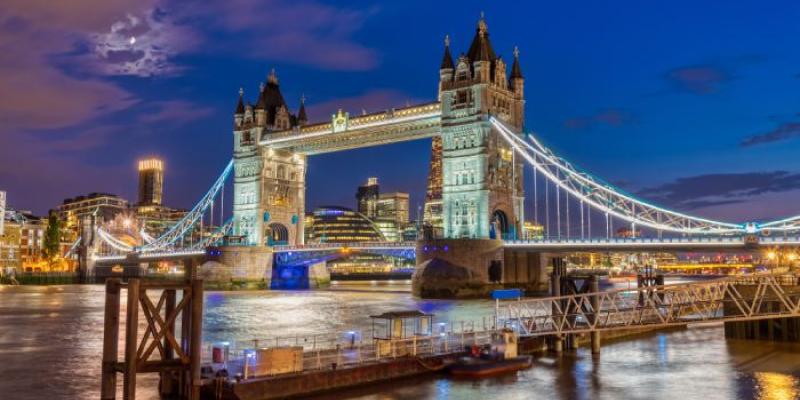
(151, 181)
(432, 215)
(269, 184)
(22, 241)
(532, 231)
(157, 219)
(104, 206)
(393, 206)
(367, 198)
(482, 194)
(150, 211)
(10, 259)
(332, 224)
(628, 233)
(2, 210)
(392, 215)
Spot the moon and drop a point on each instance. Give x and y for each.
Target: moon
(133, 40)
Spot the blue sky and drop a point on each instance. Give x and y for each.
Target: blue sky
(695, 106)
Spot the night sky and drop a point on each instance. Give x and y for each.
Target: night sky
(695, 107)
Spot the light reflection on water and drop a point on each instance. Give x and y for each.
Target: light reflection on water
(56, 332)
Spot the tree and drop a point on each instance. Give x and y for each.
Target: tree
(52, 238)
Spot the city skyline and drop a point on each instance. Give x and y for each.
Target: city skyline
(703, 117)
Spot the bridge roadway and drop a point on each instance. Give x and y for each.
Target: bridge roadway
(732, 243)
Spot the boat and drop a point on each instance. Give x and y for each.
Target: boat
(495, 358)
(476, 367)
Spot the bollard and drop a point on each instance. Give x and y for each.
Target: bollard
(131, 339)
(108, 384)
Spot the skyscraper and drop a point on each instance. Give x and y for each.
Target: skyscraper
(433, 197)
(367, 198)
(151, 181)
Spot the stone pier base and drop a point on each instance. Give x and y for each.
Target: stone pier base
(238, 267)
(472, 268)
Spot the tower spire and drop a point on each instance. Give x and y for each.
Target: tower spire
(447, 59)
(273, 77)
(481, 47)
(240, 104)
(301, 114)
(516, 71)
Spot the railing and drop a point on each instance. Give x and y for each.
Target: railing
(718, 300)
(357, 245)
(325, 352)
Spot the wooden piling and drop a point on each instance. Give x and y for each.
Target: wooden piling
(131, 340)
(196, 344)
(167, 384)
(108, 383)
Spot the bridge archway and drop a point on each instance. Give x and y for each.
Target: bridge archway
(501, 224)
(276, 234)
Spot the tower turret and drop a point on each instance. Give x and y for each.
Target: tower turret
(481, 53)
(447, 67)
(238, 116)
(261, 107)
(302, 119)
(517, 80)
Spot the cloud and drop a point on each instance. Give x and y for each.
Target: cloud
(307, 32)
(613, 117)
(175, 111)
(698, 79)
(371, 101)
(36, 94)
(784, 131)
(142, 45)
(719, 189)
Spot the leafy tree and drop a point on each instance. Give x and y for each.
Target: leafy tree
(52, 238)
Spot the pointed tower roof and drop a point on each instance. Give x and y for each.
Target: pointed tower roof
(516, 71)
(271, 99)
(481, 47)
(240, 105)
(302, 118)
(447, 60)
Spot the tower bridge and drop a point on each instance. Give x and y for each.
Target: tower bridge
(481, 156)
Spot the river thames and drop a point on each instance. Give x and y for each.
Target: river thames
(51, 339)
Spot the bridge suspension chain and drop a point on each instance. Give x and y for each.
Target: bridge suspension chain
(606, 198)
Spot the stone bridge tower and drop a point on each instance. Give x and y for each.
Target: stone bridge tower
(482, 185)
(269, 184)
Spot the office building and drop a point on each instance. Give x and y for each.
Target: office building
(367, 198)
(331, 224)
(151, 181)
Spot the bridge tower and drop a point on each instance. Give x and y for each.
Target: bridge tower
(269, 184)
(482, 185)
(481, 178)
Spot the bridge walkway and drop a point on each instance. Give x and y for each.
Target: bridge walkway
(724, 300)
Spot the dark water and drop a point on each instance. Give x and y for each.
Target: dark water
(51, 338)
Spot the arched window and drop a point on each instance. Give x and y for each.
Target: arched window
(281, 172)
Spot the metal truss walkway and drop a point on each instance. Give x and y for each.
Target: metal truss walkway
(730, 299)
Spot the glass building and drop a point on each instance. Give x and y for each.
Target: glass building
(331, 224)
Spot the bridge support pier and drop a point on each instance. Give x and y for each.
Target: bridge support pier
(594, 287)
(555, 291)
(177, 360)
(472, 268)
